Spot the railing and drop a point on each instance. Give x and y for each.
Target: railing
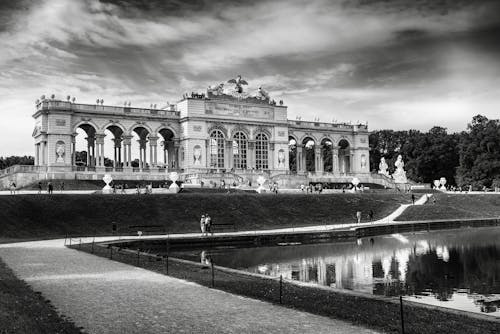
(65, 105)
(309, 124)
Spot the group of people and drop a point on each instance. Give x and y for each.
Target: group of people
(205, 224)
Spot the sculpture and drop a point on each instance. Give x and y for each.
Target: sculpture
(238, 84)
(174, 187)
(107, 188)
(262, 94)
(60, 150)
(281, 159)
(382, 167)
(197, 155)
(399, 174)
(217, 90)
(260, 181)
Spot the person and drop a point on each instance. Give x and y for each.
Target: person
(413, 199)
(302, 187)
(39, 187)
(50, 188)
(370, 215)
(358, 216)
(203, 226)
(13, 188)
(62, 186)
(208, 224)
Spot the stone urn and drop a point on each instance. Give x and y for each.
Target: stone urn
(107, 188)
(260, 181)
(173, 176)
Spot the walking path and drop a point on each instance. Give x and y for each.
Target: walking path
(104, 296)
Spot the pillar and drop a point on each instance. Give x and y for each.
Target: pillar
(73, 150)
(177, 145)
(270, 156)
(335, 159)
(251, 154)
(318, 158)
(100, 149)
(228, 155)
(299, 158)
(153, 150)
(208, 161)
(142, 153)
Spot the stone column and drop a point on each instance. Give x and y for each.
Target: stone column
(142, 153)
(318, 158)
(153, 150)
(299, 158)
(100, 150)
(73, 150)
(270, 156)
(36, 155)
(228, 155)
(127, 141)
(251, 154)
(335, 159)
(177, 145)
(351, 161)
(207, 151)
(90, 150)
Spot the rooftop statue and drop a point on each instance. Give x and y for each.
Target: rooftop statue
(238, 82)
(262, 94)
(217, 90)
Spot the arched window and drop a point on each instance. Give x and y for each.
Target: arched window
(217, 149)
(240, 150)
(261, 151)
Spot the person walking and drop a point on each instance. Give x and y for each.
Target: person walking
(50, 188)
(358, 217)
(39, 187)
(62, 186)
(370, 215)
(13, 188)
(203, 226)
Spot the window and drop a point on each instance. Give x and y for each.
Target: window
(261, 151)
(240, 150)
(217, 149)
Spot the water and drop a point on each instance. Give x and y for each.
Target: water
(455, 268)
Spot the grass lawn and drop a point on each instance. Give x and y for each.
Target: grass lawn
(24, 311)
(47, 216)
(455, 206)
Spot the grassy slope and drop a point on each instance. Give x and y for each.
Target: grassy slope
(43, 216)
(455, 206)
(24, 311)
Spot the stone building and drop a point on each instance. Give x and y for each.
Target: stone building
(200, 136)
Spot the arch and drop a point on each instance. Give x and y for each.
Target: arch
(260, 130)
(115, 143)
(216, 147)
(307, 135)
(219, 127)
(242, 129)
(87, 154)
(168, 145)
(114, 124)
(344, 156)
(292, 153)
(161, 129)
(140, 125)
(240, 145)
(327, 154)
(309, 155)
(261, 151)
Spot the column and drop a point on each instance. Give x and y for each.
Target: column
(90, 150)
(177, 145)
(228, 155)
(126, 150)
(73, 150)
(299, 157)
(351, 161)
(100, 149)
(271, 156)
(251, 154)
(142, 153)
(207, 151)
(153, 150)
(318, 158)
(36, 155)
(335, 159)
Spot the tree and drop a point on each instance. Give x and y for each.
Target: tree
(479, 150)
(16, 160)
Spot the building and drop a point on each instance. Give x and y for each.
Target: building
(201, 136)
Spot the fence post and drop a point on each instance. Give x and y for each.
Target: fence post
(402, 316)
(281, 289)
(213, 275)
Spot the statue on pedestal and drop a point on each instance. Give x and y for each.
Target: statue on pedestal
(399, 174)
(382, 167)
(238, 82)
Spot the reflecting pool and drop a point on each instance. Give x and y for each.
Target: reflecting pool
(454, 268)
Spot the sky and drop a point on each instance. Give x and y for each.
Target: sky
(407, 64)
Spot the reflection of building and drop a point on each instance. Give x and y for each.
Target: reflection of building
(200, 134)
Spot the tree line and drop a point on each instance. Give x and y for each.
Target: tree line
(471, 157)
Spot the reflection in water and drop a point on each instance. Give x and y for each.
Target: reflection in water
(458, 268)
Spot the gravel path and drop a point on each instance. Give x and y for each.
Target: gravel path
(104, 296)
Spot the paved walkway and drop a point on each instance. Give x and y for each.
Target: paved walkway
(104, 296)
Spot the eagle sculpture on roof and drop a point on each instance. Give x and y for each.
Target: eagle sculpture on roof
(238, 84)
